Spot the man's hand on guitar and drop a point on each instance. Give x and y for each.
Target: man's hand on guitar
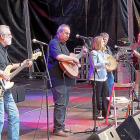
(75, 61)
(5, 76)
(30, 62)
(85, 51)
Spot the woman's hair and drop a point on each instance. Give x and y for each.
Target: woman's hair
(96, 43)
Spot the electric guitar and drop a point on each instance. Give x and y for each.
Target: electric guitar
(7, 84)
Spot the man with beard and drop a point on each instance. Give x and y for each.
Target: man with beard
(7, 102)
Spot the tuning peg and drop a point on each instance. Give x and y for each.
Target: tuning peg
(37, 50)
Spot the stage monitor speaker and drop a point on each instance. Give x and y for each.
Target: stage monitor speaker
(18, 93)
(130, 128)
(108, 133)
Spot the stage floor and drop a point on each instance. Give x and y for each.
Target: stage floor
(33, 113)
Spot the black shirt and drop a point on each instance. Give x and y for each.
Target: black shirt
(4, 61)
(56, 47)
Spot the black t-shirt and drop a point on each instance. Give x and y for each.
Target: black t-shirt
(4, 61)
(56, 47)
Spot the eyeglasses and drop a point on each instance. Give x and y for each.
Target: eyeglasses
(9, 35)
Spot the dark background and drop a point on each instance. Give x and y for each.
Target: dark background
(85, 17)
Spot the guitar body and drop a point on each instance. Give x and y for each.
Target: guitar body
(71, 69)
(7, 84)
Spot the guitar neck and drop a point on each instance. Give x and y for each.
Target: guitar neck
(136, 53)
(80, 54)
(19, 69)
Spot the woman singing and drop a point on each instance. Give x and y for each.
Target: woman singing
(98, 63)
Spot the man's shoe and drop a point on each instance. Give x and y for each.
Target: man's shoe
(110, 116)
(60, 133)
(67, 130)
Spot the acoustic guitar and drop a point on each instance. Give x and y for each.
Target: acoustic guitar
(7, 84)
(71, 69)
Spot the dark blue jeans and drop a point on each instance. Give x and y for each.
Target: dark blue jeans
(61, 99)
(110, 79)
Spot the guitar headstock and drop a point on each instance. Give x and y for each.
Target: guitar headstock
(36, 54)
(85, 48)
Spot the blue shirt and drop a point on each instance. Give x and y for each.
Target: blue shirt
(56, 47)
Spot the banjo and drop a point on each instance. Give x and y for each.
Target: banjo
(112, 61)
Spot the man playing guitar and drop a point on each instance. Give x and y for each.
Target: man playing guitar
(7, 103)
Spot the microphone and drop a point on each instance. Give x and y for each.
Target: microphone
(127, 42)
(116, 46)
(82, 37)
(39, 42)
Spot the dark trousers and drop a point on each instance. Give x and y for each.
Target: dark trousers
(61, 99)
(102, 90)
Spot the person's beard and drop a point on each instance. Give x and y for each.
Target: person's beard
(8, 41)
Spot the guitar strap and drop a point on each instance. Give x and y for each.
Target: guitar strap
(9, 60)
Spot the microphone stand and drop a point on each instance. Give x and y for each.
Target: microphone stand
(45, 82)
(94, 87)
(95, 103)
